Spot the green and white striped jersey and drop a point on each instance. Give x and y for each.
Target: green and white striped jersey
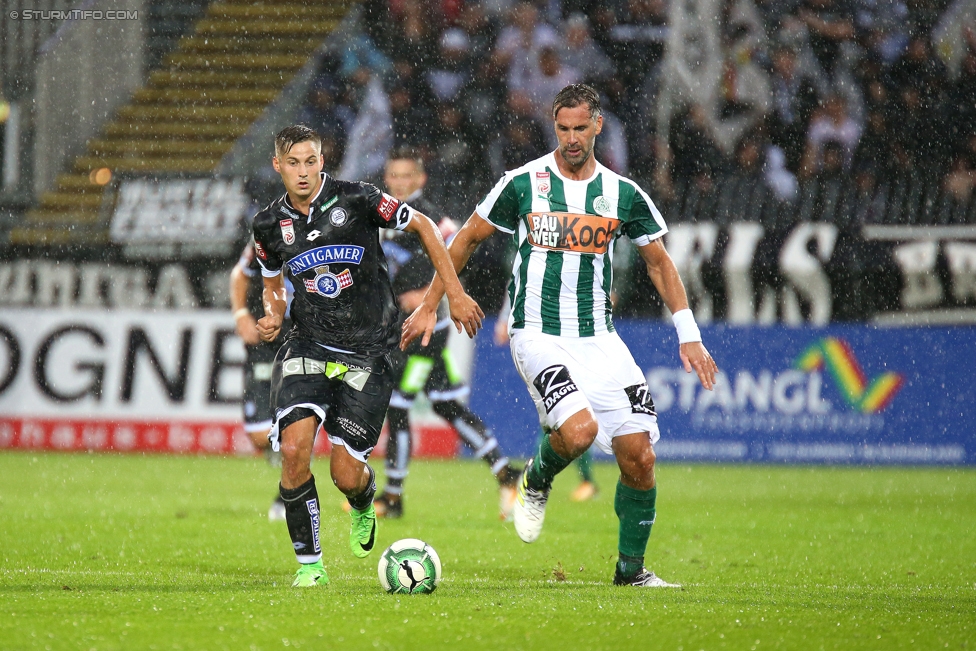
(565, 232)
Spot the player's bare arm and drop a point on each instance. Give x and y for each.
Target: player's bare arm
(244, 323)
(423, 319)
(664, 275)
(465, 312)
(274, 299)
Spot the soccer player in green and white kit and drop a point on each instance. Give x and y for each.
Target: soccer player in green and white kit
(565, 210)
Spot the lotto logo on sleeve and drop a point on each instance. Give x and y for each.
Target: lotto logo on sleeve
(554, 384)
(571, 232)
(387, 207)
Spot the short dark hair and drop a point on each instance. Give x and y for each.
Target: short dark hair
(407, 152)
(575, 95)
(291, 136)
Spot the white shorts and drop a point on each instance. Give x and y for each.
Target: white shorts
(566, 375)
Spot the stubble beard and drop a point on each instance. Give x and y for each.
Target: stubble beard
(578, 161)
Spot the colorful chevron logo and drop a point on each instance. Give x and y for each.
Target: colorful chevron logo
(842, 365)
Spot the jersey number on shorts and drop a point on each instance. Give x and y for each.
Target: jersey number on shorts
(640, 399)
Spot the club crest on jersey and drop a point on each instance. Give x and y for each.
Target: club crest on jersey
(287, 231)
(542, 184)
(327, 283)
(331, 254)
(602, 206)
(338, 216)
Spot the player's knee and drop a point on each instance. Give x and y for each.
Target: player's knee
(645, 461)
(579, 435)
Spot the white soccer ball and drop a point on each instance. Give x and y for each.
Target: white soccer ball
(409, 566)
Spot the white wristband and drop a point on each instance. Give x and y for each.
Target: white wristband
(238, 313)
(684, 323)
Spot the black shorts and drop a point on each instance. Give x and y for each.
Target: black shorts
(431, 369)
(257, 386)
(349, 393)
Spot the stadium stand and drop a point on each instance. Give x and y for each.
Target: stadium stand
(206, 93)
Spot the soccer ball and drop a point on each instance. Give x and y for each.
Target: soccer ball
(409, 566)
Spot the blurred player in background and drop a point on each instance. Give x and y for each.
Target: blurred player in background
(333, 368)
(565, 211)
(246, 287)
(429, 369)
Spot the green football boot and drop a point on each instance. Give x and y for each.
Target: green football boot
(362, 533)
(310, 575)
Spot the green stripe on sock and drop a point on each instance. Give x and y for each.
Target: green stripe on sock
(636, 510)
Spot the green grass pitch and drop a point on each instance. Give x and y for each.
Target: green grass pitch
(158, 552)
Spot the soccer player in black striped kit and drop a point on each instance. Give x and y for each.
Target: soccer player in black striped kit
(334, 368)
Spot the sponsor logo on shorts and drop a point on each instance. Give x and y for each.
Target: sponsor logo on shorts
(640, 399)
(353, 429)
(313, 510)
(571, 232)
(554, 384)
(287, 231)
(331, 254)
(387, 207)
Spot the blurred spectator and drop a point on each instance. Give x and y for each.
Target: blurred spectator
(634, 33)
(371, 135)
(520, 42)
(919, 142)
(921, 69)
(452, 69)
(480, 30)
(794, 100)
(882, 26)
(611, 146)
(961, 180)
(961, 104)
(831, 124)
(873, 146)
(694, 149)
(829, 23)
(323, 113)
(578, 50)
(454, 161)
(544, 81)
(410, 119)
(522, 137)
(833, 161)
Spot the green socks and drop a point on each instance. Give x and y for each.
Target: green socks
(546, 465)
(636, 510)
(585, 467)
